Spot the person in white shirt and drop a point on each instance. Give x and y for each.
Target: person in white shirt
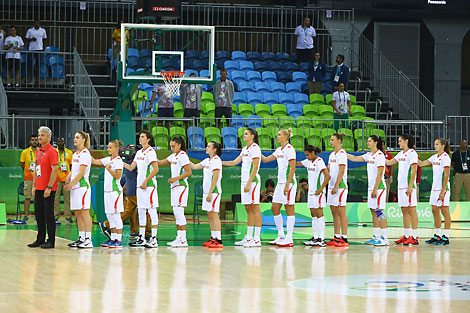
(113, 196)
(250, 186)
(147, 196)
(440, 191)
(305, 41)
(318, 178)
(375, 160)
(180, 171)
(2, 46)
(286, 187)
(212, 191)
(36, 37)
(80, 190)
(338, 191)
(407, 160)
(341, 102)
(13, 43)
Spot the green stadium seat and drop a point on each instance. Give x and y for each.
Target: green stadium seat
(206, 121)
(287, 122)
(153, 123)
(316, 98)
(160, 134)
(262, 109)
(353, 99)
(358, 112)
(234, 109)
(298, 142)
(178, 110)
(303, 122)
(209, 108)
(361, 143)
(315, 141)
(369, 125)
(278, 110)
(328, 99)
(245, 109)
(212, 134)
(207, 97)
(265, 138)
(177, 131)
(378, 132)
(326, 111)
(311, 110)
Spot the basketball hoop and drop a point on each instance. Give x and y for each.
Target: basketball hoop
(172, 80)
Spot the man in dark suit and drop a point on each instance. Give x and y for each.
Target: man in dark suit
(316, 74)
(339, 74)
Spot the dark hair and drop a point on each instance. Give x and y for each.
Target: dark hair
(341, 56)
(12, 26)
(180, 140)
(33, 135)
(269, 182)
(147, 134)
(445, 143)
(217, 147)
(223, 70)
(255, 134)
(311, 149)
(379, 141)
(303, 180)
(339, 136)
(192, 75)
(411, 141)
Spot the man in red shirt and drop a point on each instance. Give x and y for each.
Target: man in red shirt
(44, 188)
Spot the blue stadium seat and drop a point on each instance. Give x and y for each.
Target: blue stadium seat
(199, 65)
(238, 56)
(135, 62)
(131, 52)
(270, 98)
(238, 98)
(129, 70)
(43, 71)
(286, 99)
(262, 87)
(253, 76)
(293, 87)
(51, 49)
(254, 121)
(261, 66)
(283, 77)
(253, 56)
(299, 77)
(246, 86)
(205, 54)
(189, 72)
(294, 110)
(301, 98)
(148, 62)
(192, 54)
(145, 53)
(304, 67)
(231, 65)
(245, 65)
(238, 121)
(229, 137)
(278, 87)
(282, 57)
(254, 98)
(291, 66)
(195, 137)
(57, 71)
(269, 77)
(293, 57)
(223, 55)
(268, 56)
(276, 66)
(238, 75)
(204, 73)
(220, 63)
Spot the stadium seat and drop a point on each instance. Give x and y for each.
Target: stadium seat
(234, 109)
(189, 72)
(283, 77)
(205, 54)
(55, 60)
(220, 63)
(377, 132)
(229, 137)
(275, 66)
(176, 131)
(265, 138)
(161, 136)
(263, 109)
(287, 122)
(206, 120)
(51, 49)
(135, 62)
(209, 108)
(299, 77)
(231, 65)
(190, 54)
(207, 97)
(238, 98)
(238, 75)
(131, 52)
(254, 121)
(286, 99)
(238, 56)
(268, 56)
(199, 65)
(262, 87)
(353, 99)
(240, 132)
(278, 110)
(238, 121)
(253, 76)
(270, 98)
(254, 98)
(245, 66)
(326, 135)
(304, 66)
(212, 134)
(358, 111)
(361, 138)
(245, 109)
(311, 110)
(293, 87)
(278, 87)
(204, 73)
(300, 98)
(315, 141)
(294, 110)
(282, 57)
(57, 71)
(328, 99)
(246, 86)
(253, 56)
(293, 57)
(316, 98)
(195, 137)
(326, 111)
(303, 122)
(221, 54)
(297, 141)
(261, 66)
(178, 109)
(269, 77)
(291, 67)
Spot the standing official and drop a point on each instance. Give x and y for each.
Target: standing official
(65, 163)
(28, 163)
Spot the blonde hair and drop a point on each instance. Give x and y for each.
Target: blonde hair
(116, 142)
(287, 132)
(85, 136)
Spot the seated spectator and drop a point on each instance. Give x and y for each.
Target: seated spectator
(302, 193)
(223, 95)
(191, 95)
(339, 74)
(267, 194)
(165, 104)
(36, 37)
(117, 40)
(341, 103)
(316, 74)
(13, 43)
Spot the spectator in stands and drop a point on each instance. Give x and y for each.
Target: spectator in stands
(165, 104)
(341, 103)
(267, 194)
(13, 43)
(36, 37)
(223, 95)
(302, 193)
(117, 40)
(339, 73)
(316, 74)
(28, 164)
(191, 95)
(388, 174)
(65, 163)
(305, 35)
(2, 46)
(461, 165)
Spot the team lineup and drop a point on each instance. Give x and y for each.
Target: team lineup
(327, 186)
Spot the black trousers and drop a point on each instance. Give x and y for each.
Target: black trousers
(305, 55)
(44, 212)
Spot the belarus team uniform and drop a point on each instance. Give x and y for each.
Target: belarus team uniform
(209, 166)
(113, 198)
(374, 161)
(80, 195)
(315, 180)
(283, 156)
(405, 160)
(146, 198)
(248, 154)
(335, 160)
(439, 163)
(180, 188)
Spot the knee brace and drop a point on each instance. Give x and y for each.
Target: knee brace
(153, 216)
(179, 216)
(142, 217)
(380, 214)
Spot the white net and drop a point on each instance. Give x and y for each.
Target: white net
(172, 83)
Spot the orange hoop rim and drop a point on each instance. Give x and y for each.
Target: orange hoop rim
(170, 74)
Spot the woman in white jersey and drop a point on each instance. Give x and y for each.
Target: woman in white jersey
(212, 191)
(407, 160)
(250, 186)
(338, 191)
(440, 191)
(318, 178)
(180, 171)
(80, 190)
(284, 194)
(113, 197)
(377, 192)
(147, 197)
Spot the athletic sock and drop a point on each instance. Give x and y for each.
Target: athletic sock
(384, 233)
(218, 234)
(88, 235)
(142, 231)
(414, 232)
(249, 232)
(406, 232)
(377, 232)
(183, 235)
(338, 236)
(290, 226)
(437, 231)
(213, 235)
(344, 237)
(321, 227)
(279, 225)
(119, 237)
(113, 236)
(315, 227)
(257, 233)
(447, 233)
(154, 232)
(81, 234)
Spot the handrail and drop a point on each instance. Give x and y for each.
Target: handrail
(377, 109)
(3, 113)
(367, 96)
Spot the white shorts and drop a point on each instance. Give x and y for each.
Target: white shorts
(339, 198)
(379, 202)
(407, 201)
(80, 198)
(251, 197)
(113, 202)
(179, 196)
(434, 199)
(213, 205)
(147, 198)
(316, 202)
(279, 196)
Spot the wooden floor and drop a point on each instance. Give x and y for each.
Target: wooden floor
(268, 279)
